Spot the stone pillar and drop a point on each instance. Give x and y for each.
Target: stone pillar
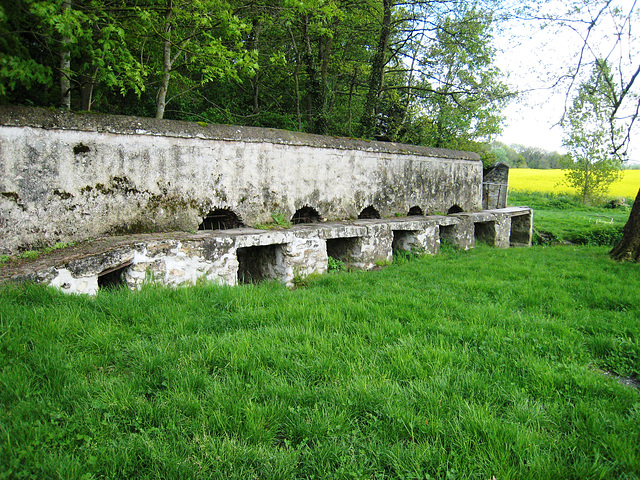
(303, 256)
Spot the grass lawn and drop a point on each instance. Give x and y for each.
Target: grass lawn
(466, 365)
(560, 217)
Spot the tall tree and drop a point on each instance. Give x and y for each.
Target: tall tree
(377, 67)
(22, 67)
(73, 40)
(192, 42)
(591, 143)
(462, 90)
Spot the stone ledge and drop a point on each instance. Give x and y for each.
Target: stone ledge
(246, 254)
(50, 119)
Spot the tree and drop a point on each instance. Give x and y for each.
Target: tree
(629, 247)
(81, 42)
(593, 31)
(462, 92)
(593, 163)
(193, 42)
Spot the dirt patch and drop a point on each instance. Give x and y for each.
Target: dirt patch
(632, 382)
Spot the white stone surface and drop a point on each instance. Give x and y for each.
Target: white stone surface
(140, 175)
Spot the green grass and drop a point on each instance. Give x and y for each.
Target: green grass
(466, 365)
(561, 217)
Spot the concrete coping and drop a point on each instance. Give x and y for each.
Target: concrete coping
(50, 119)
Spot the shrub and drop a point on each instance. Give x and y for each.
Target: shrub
(600, 235)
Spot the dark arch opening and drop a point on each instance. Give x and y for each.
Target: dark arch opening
(369, 213)
(454, 209)
(415, 211)
(220, 219)
(80, 148)
(306, 215)
(113, 277)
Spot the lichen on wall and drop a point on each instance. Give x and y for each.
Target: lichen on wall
(67, 177)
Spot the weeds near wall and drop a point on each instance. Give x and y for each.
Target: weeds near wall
(34, 254)
(335, 265)
(279, 220)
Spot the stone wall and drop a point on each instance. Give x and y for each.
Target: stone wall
(67, 177)
(246, 255)
(495, 186)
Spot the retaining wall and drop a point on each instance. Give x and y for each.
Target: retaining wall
(67, 177)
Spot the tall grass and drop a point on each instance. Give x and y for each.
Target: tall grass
(562, 218)
(466, 365)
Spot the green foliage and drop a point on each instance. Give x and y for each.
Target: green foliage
(94, 35)
(606, 235)
(591, 137)
(285, 64)
(33, 254)
(335, 265)
(279, 220)
(519, 156)
(463, 88)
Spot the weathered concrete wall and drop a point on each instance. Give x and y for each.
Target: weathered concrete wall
(246, 255)
(66, 177)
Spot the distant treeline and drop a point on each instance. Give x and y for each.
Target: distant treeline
(519, 156)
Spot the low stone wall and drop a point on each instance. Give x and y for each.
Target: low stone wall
(246, 255)
(67, 177)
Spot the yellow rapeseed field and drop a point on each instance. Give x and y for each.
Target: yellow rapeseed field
(551, 180)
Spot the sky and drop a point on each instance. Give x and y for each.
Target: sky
(533, 60)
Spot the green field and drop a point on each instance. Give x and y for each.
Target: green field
(562, 218)
(482, 364)
(466, 365)
(550, 180)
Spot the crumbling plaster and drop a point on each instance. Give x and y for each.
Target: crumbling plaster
(244, 255)
(67, 177)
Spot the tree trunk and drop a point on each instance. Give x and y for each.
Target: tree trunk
(86, 91)
(255, 81)
(161, 100)
(629, 247)
(296, 80)
(378, 63)
(315, 100)
(65, 66)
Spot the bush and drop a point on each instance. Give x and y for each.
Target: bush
(601, 235)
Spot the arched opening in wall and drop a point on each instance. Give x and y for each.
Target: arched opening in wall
(220, 219)
(369, 213)
(415, 211)
(113, 277)
(80, 148)
(306, 215)
(455, 209)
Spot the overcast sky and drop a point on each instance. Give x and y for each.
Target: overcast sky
(534, 59)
